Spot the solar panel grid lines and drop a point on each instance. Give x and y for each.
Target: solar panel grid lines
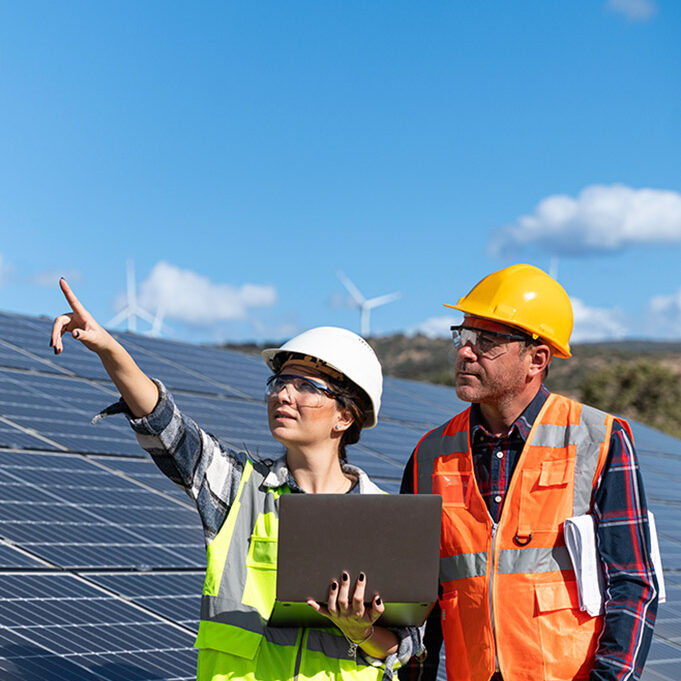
(144, 471)
(14, 436)
(241, 373)
(67, 618)
(16, 557)
(96, 516)
(176, 374)
(32, 336)
(116, 466)
(60, 411)
(18, 358)
(174, 595)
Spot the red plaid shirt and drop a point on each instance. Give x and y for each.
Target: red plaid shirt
(621, 515)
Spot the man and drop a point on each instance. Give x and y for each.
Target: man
(510, 469)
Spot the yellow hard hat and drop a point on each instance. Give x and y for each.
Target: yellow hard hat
(526, 297)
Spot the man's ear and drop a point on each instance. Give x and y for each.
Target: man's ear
(540, 359)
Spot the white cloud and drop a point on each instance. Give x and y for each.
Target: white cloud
(596, 323)
(664, 313)
(190, 297)
(601, 219)
(634, 10)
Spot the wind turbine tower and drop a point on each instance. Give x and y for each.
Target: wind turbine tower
(365, 305)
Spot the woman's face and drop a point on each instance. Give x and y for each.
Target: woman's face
(292, 423)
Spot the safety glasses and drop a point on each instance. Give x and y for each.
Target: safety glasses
(305, 392)
(484, 343)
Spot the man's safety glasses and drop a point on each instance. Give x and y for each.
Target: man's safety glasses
(484, 343)
(305, 392)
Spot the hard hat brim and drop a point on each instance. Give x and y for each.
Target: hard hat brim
(557, 352)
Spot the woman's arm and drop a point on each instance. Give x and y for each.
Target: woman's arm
(137, 389)
(184, 452)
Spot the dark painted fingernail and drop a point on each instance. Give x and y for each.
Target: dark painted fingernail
(76, 334)
(51, 343)
(334, 586)
(345, 576)
(378, 600)
(55, 351)
(361, 577)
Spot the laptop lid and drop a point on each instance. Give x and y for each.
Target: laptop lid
(393, 539)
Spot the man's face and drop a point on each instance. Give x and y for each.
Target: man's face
(481, 379)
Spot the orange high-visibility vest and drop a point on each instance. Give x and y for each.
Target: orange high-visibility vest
(509, 596)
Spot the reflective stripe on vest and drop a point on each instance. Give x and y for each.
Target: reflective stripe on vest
(521, 565)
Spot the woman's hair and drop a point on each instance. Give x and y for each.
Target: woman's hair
(353, 400)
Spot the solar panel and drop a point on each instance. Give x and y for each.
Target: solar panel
(62, 627)
(66, 510)
(102, 557)
(245, 376)
(174, 595)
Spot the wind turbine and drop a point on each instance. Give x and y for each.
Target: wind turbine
(365, 305)
(132, 310)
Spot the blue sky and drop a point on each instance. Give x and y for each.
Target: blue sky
(243, 153)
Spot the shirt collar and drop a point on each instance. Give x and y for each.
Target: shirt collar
(520, 427)
(280, 475)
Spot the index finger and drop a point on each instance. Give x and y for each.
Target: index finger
(75, 304)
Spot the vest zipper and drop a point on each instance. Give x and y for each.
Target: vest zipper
(491, 599)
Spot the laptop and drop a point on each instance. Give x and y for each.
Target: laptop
(394, 539)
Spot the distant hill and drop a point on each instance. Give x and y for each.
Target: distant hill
(637, 379)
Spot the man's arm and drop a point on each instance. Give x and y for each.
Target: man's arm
(621, 516)
(422, 670)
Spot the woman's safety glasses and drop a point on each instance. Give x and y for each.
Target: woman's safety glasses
(484, 343)
(305, 392)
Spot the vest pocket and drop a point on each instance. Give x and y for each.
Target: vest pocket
(261, 575)
(545, 499)
(262, 553)
(567, 635)
(454, 487)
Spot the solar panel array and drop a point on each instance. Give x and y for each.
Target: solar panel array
(101, 556)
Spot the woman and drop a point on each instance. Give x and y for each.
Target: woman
(325, 388)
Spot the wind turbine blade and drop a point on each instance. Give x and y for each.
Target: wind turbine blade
(118, 318)
(352, 289)
(382, 300)
(143, 314)
(364, 321)
(158, 321)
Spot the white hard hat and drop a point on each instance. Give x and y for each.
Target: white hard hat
(343, 351)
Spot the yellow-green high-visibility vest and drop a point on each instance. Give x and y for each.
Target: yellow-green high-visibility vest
(234, 639)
